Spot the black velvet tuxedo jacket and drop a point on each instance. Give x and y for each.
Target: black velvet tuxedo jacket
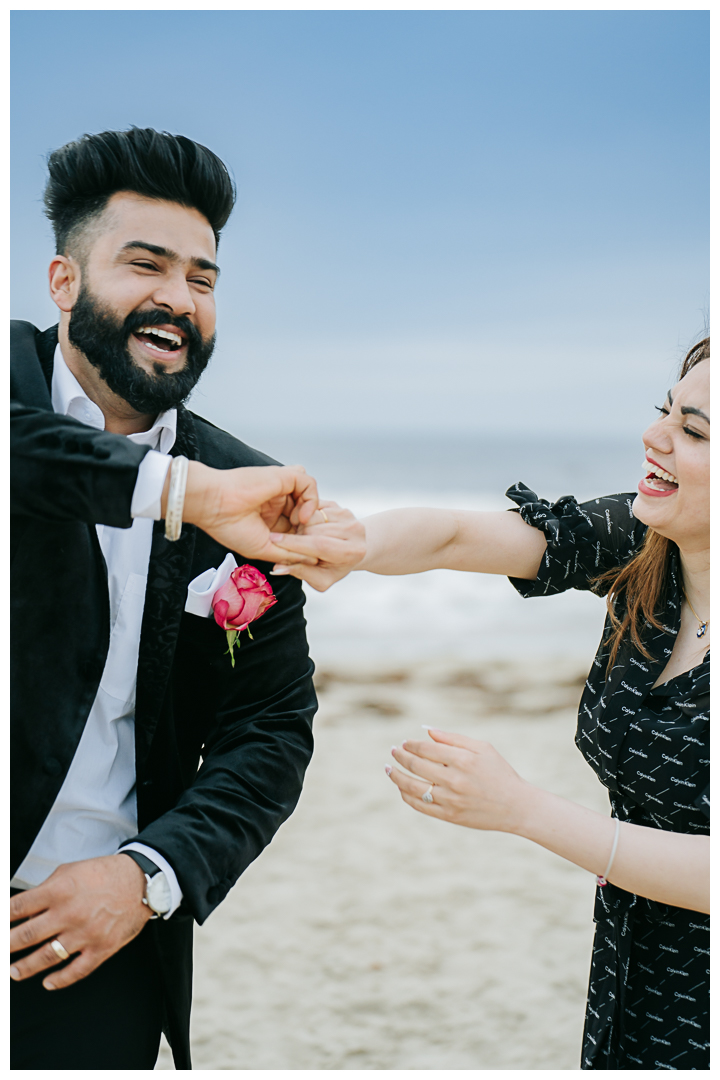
(220, 752)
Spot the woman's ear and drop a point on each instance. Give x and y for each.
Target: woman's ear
(64, 279)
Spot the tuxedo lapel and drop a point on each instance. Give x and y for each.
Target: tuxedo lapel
(46, 342)
(31, 363)
(165, 596)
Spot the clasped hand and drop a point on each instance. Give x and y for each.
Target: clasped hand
(273, 513)
(323, 549)
(244, 508)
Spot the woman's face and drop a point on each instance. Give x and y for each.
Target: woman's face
(677, 504)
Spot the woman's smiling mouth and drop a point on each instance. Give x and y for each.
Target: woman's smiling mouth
(657, 482)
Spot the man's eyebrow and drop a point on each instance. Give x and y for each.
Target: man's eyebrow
(689, 410)
(171, 256)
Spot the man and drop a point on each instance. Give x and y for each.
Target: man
(120, 687)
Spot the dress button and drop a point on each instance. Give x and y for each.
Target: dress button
(52, 767)
(214, 894)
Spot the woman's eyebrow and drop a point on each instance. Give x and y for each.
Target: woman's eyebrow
(689, 410)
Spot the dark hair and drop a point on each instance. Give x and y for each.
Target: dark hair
(699, 352)
(85, 173)
(641, 585)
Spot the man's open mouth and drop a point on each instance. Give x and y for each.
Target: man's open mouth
(160, 339)
(658, 479)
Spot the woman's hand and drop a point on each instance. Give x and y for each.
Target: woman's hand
(333, 536)
(472, 784)
(476, 787)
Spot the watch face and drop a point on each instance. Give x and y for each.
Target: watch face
(158, 894)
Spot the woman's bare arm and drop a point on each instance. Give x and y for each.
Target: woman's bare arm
(412, 541)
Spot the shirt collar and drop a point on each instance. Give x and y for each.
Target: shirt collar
(69, 399)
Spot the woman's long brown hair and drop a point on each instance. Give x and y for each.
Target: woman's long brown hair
(642, 582)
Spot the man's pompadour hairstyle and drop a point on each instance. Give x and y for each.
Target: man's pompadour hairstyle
(85, 173)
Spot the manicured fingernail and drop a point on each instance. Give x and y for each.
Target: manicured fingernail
(14, 973)
(427, 727)
(49, 985)
(388, 769)
(277, 538)
(279, 571)
(404, 744)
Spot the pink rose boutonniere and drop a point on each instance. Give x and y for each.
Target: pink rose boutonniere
(244, 597)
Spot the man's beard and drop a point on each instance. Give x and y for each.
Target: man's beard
(103, 339)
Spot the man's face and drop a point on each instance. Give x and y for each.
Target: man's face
(145, 312)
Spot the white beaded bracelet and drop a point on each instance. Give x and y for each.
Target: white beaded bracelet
(176, 497)
(602, 879)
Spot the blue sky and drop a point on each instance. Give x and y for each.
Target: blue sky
(447, 221)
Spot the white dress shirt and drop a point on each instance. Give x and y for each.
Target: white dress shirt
(96, 810)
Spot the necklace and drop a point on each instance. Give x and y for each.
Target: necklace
(702, 626)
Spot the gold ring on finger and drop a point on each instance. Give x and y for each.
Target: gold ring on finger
(427, 797)
(59, 950)
(327, 519)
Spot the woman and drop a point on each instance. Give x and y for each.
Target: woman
(643, 720)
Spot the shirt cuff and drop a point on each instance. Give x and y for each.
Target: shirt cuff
(175, 890)
(147, 496)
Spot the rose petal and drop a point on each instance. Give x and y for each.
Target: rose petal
(220, 609)
(244, 597)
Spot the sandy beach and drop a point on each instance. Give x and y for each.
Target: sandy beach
(368, 936)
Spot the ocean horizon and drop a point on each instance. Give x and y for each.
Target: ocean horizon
(432, 464)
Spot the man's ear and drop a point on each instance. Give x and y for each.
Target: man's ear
(64, 276)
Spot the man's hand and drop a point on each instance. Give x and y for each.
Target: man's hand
(93, 908)
(333, 539)
(241, 507)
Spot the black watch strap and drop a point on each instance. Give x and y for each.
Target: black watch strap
(146, 865)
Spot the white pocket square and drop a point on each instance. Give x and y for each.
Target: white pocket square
(202, 588)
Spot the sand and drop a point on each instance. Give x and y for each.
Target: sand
(368, 936)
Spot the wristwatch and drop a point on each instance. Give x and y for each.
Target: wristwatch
(157, 888)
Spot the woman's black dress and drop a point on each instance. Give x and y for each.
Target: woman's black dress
(648, 1000)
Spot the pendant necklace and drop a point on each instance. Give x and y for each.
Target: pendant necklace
(702, 626)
